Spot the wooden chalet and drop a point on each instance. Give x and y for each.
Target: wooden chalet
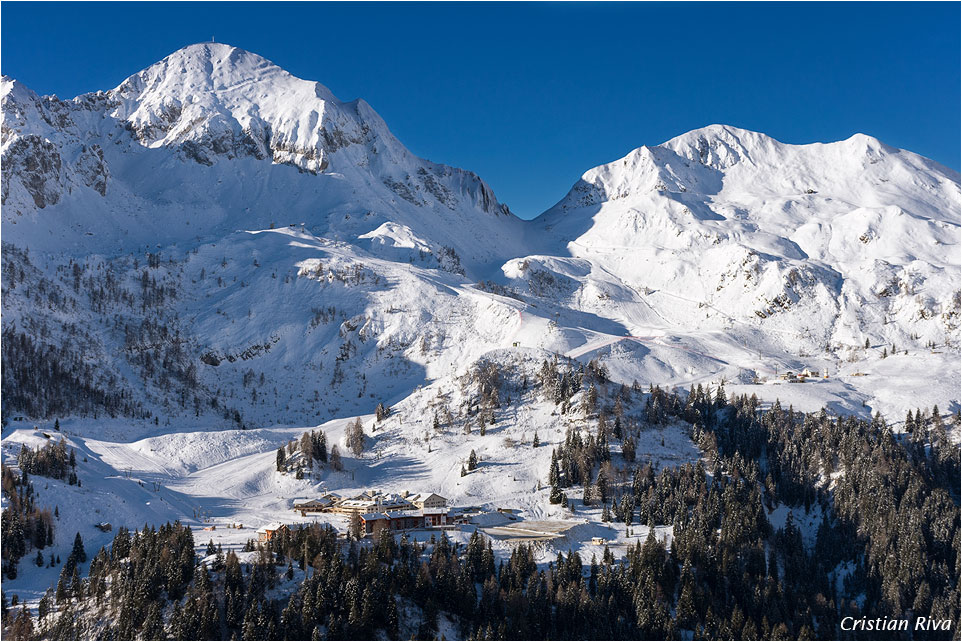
(267, 533)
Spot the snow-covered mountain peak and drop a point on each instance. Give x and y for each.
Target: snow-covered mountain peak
(213, 72)
(694, 161)
(208, 63)
(212, 100)
(722, 146)
(749, 153)
(12, 87)
(798, 236)
(641, 171)
(204, 141)
(709, 159)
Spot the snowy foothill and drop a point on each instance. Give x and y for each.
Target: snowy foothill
(225, 485)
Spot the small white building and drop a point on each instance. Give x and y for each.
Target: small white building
(316, 505)
(427, 500)
(267, 533)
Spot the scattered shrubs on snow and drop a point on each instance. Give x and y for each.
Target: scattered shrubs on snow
(303, 454)
(500, 290)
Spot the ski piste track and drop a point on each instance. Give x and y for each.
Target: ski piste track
(604, 340)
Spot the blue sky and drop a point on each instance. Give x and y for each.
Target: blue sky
(530, 96)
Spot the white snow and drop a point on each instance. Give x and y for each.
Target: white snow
(325, 268)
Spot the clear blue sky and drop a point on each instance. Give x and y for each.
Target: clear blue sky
(530, 96)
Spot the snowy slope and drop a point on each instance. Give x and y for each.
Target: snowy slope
(225, 242)
(217, 478)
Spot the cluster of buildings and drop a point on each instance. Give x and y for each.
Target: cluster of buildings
(377, 510)
(803, 376)
(373, 523)
(320, 504)
(391, 512)
(370, 501)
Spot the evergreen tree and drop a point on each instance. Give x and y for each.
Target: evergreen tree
(602, 484)
(78, 552)
(43, 608)
(556, 496)
(321, 446)
(153, 627)
(393, 620)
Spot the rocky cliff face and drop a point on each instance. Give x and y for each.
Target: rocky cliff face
(44, 153)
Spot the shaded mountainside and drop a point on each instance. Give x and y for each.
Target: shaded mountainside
(215, 238)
